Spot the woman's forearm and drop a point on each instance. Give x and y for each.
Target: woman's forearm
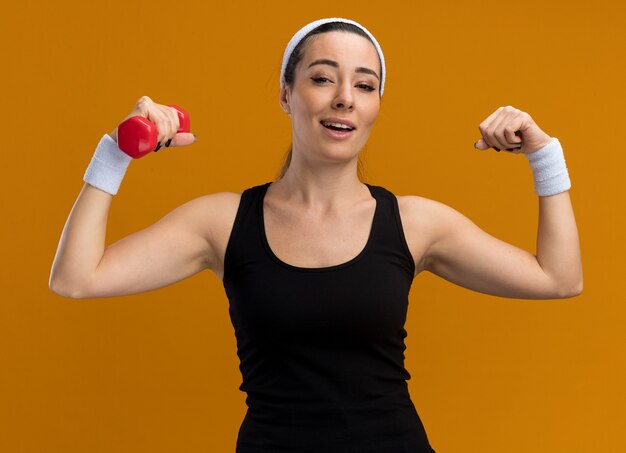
(558, 246)
(82, 242)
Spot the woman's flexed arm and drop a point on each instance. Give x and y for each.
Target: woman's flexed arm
(558, 247)
(82, 242)
(461, 252)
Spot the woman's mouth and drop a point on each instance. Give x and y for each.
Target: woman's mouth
(337, 130)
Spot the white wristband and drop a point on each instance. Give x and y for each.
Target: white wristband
(108, 166)
(549, 169)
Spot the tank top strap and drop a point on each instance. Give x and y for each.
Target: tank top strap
(244, 244)
(388, 238)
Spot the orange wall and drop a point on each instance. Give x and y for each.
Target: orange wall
(158, 371)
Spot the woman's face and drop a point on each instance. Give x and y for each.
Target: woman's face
(337, 78)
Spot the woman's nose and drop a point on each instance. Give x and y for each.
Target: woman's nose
(344, 99)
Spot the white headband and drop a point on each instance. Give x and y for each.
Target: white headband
(307, 28)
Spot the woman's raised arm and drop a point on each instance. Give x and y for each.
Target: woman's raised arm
(461, 252)
(169, 250)
(184, 242)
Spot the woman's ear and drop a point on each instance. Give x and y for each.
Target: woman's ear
(284, 99)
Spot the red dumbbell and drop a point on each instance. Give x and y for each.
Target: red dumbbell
(137, 136)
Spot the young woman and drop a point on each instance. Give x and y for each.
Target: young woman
(317, 265)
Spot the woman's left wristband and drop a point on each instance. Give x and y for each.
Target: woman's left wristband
(549, 170)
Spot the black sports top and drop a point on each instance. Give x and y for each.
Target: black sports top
(322, 349)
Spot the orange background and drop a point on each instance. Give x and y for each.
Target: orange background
(158, 371)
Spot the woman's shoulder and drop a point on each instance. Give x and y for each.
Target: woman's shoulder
(217, 209)
(211, 216)
(425, 212)
(224, 198)
(416, 204)
(215, 203)
(220, 208)
(422, 220)
(208, 214)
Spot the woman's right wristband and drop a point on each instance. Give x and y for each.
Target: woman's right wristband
(108, 166)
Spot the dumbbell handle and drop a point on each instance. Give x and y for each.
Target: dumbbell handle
(137, 136)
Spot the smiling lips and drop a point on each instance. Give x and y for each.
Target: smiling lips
(338, 123)
(338, 128)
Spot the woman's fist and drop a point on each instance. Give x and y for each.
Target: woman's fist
(513, 130)
(166, 121)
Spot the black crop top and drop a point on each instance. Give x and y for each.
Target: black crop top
(322, 349)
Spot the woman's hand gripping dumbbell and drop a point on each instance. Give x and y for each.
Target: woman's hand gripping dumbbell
(147, 128)
(151, 125)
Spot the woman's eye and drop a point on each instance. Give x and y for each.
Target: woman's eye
(360, 85)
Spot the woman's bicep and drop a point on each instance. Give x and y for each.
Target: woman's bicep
(172, 249)
(464, 254)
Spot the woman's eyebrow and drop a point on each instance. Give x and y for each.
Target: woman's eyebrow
(336, 65)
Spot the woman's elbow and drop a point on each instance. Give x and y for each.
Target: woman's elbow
(63, 292)
(566, 292)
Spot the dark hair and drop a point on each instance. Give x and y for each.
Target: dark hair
(290, 73)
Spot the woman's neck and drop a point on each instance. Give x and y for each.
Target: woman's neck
(327, 190)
